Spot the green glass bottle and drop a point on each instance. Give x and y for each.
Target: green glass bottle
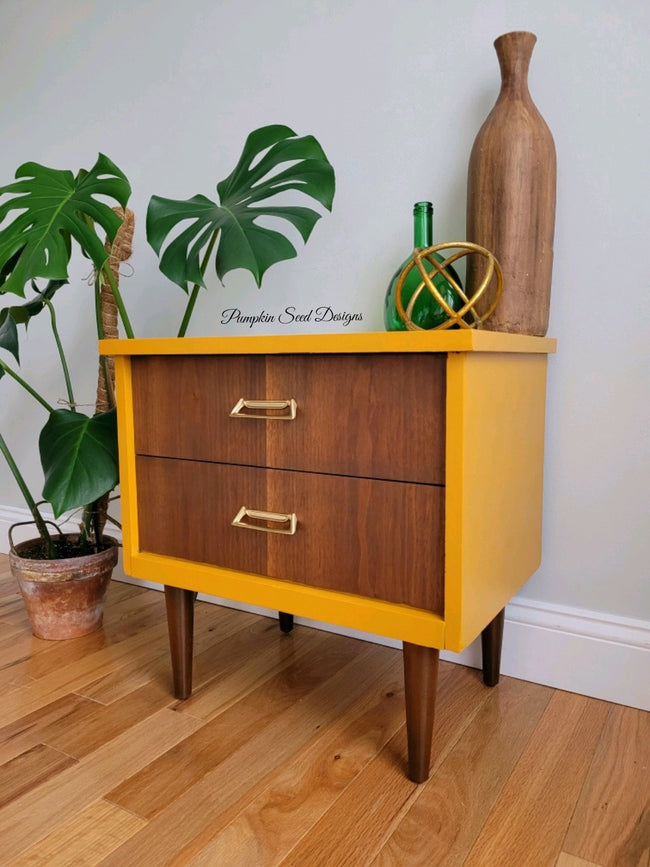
(427, 313)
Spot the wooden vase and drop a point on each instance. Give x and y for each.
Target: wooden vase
(511, 195)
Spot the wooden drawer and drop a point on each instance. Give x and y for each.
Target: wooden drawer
(380, 416)
(375, 538)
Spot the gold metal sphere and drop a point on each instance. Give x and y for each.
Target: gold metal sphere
(467, 316)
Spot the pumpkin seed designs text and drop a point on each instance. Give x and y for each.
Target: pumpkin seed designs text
(288, 316)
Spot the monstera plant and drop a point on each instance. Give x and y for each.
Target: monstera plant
(47, 214)
(52, 212)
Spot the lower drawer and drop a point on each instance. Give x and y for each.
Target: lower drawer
(375, 538)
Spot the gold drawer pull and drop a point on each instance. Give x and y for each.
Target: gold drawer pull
(244, 516)
(285, 409)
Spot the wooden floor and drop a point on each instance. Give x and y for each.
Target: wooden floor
(292, 751)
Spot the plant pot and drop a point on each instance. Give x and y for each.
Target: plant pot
(64, 598)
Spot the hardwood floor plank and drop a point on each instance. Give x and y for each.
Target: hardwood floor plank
(174, 828)
(156, 786)
(83, 841)
(74, 676)
(377, 800)
(529, 822)
(29, 769)
(8, 634)
(152, 661)
(451, 808)
(372, 803)
(143, 665)
(16, 651)
(29, 818)
(26, 732)
(91, 725)
(611, 824)
(566, 860)
(262, 651)
(281, 807)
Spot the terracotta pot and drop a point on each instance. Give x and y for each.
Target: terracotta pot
(64, 598)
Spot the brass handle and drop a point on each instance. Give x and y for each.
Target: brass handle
(283, 410)
(246, 518)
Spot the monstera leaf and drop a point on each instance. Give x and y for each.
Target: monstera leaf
(8, 335)
(79, 458)
(53, 208)
(274, 160)
(20, 314)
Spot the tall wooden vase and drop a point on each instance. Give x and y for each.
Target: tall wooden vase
(511, 195)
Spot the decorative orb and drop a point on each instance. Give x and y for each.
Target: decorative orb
(467, 316)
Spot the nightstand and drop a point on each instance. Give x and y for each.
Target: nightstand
(390, 483)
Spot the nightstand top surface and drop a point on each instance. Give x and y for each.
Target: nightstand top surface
(468, 340)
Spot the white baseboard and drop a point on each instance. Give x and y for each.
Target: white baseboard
(592, 653)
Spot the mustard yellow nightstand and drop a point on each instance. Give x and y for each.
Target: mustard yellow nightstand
(389, 482)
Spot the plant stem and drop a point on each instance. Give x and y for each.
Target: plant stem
(98, 307)
(84, 527)
(27, 387)
(31, 503)
(97, 526)
(189, 309)
(107, 273)
(59, 346)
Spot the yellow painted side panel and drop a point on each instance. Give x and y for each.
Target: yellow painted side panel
(387, 619)
(383, 341)
(125, 435)
(495, 453)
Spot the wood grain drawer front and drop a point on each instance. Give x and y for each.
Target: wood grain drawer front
(374, 538)
(375, 415)
(182, 407)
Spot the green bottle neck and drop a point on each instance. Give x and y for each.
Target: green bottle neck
(422, 224)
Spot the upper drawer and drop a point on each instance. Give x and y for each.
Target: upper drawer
(375, 416)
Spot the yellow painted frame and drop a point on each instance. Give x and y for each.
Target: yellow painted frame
(494, 485)
(496, 385)
(469, 340)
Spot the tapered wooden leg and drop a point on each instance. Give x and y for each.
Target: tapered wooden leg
(286, 621)
(420, 680)
(180, 624)
(491, 641)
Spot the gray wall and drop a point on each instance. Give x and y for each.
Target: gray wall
(395, 90)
